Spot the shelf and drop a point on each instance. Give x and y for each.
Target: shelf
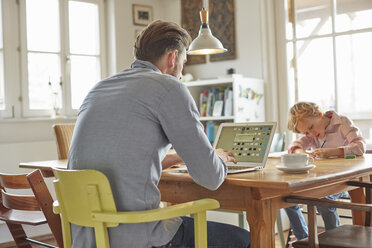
(247, 97)
(217, 81)
(216, 118)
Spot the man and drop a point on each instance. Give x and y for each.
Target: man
(125, 127)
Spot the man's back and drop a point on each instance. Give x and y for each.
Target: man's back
(124, 129)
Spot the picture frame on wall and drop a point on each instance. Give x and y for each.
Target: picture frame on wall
(222, 23)
(142, 14)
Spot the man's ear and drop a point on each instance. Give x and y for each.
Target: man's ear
(172, 58)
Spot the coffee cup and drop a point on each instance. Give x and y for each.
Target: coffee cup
(296, 160)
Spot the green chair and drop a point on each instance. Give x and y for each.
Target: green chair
(84, 198)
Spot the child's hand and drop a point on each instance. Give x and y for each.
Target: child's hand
(320, 153)
(328, 152)
(296, 149)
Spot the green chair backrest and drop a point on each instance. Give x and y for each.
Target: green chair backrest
(79, 193)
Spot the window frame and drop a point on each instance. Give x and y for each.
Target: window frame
(66, 108)
(333, 35)
(291, 91)
(10, 22)
(66, 86)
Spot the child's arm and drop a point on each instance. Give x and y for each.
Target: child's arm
(301, 145)
(328, 152)
(357, 144)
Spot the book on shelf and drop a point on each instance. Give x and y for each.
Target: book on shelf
(228, 100)
(211, 129)
(220, 98)
(203, 103)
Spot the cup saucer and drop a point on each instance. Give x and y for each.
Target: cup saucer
(296, 170)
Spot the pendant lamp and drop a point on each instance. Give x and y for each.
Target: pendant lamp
(205, 43)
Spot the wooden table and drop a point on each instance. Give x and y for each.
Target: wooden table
(261, 193)
(45, 166)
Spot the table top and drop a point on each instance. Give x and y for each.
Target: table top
(326, 171)
(44, 165)
(331, 169)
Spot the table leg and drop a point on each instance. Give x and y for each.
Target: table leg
(261, 220)
(357, 196)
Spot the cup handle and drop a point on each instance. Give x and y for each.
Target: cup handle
(312, 160)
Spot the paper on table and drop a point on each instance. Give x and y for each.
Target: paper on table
(277, 154)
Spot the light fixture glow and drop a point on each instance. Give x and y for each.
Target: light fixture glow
(205, 43)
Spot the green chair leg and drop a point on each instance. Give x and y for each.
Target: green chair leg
(279, 225)
(243, 220)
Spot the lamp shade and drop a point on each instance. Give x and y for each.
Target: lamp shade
(205, 43)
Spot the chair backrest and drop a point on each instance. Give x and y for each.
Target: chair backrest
(40, 201)
(63, 134)
(17, 201)
(278, 143)
(80, 192)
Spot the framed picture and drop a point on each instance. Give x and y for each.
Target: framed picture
(222, 24)
(142, 14)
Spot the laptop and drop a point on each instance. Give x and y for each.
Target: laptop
(250, 143)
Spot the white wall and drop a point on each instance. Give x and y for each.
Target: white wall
(247, 29)
(124, 35)
(248, 41)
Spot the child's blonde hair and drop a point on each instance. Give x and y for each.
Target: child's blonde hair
(300, 111)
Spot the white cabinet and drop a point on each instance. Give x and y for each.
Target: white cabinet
(248, 97)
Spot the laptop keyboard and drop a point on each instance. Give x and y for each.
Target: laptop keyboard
(237, 167)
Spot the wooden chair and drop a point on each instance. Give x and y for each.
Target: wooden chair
(343, 236)
(84, 198)
(63, 134)
(17, 210)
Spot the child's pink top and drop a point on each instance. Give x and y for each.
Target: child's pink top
(340, 133)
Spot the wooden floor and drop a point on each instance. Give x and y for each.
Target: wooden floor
(50, 240)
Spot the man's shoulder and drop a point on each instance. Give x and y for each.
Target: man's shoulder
(163, 80)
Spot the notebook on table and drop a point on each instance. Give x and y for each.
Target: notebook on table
(249, 142)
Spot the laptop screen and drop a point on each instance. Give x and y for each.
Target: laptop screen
(249, 142)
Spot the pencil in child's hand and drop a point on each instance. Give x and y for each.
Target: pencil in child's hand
(323, 144)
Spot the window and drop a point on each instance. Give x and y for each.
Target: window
(84, 50)
(61, 55)
(329, 55)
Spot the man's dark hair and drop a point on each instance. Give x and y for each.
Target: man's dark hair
(158, 38)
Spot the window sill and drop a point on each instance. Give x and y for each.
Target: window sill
(39, 119)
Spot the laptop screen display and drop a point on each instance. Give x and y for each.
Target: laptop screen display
(248, 143)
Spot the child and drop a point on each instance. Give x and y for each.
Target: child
(328, 135)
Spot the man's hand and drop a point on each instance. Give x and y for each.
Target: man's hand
(225, 155)
(170, 160)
